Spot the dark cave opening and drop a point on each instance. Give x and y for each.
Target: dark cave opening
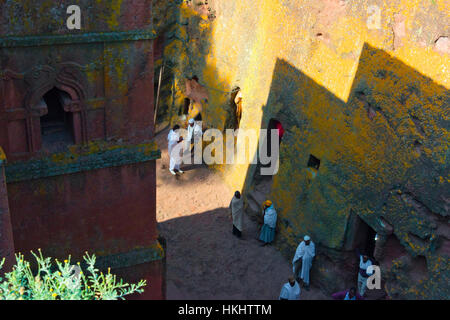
(185, 109)
(365, 238)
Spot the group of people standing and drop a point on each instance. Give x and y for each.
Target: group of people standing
(194, 132)
(267, 234)
(301, 266)
(303, 258)
(304, 254)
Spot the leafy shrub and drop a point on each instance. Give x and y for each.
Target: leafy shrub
(63, 282)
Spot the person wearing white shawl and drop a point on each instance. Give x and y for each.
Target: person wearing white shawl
(237, 212)
(290, 290)
(270, 221)
(194, 130)
(304, 255)
(194, 133)
(175, 159)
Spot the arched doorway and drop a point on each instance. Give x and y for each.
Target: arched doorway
(365, 237)
(57, 124)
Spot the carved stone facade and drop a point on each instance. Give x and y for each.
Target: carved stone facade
(97, 192)
(67, 77)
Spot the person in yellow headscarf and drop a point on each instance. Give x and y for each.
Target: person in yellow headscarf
(267, 234)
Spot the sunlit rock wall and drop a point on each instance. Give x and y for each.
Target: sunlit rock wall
(362, 86)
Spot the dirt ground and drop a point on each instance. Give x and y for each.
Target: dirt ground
(204, 260)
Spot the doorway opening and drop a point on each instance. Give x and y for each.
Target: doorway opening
(57, 124)
(274, 124)
(365, 238)
(235, 111)
(262, 184)
(184, 110)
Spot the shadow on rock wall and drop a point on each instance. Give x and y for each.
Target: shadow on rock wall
(383, 158)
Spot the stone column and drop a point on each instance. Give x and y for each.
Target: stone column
(380, 246)
(6, 236)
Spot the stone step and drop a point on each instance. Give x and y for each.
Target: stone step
(253, 210)
(264, 184)
(257, 196)
(252, 206)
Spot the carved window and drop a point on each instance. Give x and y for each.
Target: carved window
(313, 162)
(57, 124)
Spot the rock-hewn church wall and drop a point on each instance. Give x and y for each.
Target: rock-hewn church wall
(363, 87)
(94, 189)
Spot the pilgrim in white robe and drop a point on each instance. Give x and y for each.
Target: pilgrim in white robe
(306, 253)
(194, 131)
(237, 212)
(175, 159)
(290, 293)
(363, 275)
(194, 135)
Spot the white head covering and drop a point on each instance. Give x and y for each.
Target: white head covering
(191, 121)
(290, 293)
(306, 238)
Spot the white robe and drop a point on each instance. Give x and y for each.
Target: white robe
(364, 265)
(270, 217)
(173, 138)
(194, 131)
(237, 211)
(290, 293)
(306, 253)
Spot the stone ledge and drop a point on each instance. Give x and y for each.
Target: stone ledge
(91, 37)
(154, 252)
(81, 158)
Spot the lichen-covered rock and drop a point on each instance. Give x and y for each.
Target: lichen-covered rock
(361, 87)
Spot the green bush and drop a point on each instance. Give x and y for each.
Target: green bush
(63, 282)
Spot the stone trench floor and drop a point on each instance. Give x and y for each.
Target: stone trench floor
(204, 260)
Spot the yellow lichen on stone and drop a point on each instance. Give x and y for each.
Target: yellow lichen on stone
(2, 155)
